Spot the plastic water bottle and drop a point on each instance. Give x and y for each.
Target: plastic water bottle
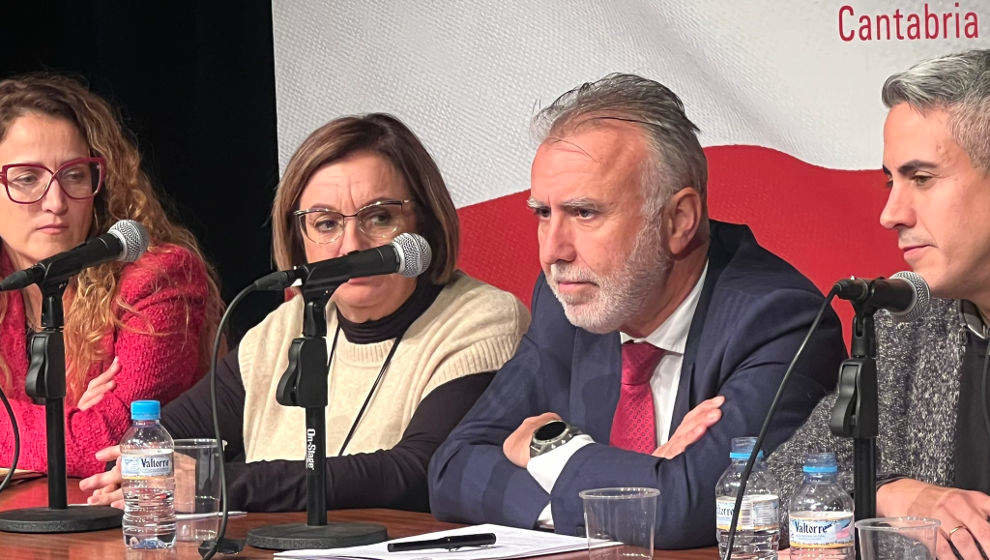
(758, 528)
(148, 479)
(821, 513)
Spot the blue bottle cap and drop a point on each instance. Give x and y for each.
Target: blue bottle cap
(820, 463)
(146, 410)
(742, 447)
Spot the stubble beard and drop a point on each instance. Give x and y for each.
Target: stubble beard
(620, 295)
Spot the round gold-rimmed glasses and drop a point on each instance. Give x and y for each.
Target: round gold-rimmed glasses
(379, 220)
(79, 179)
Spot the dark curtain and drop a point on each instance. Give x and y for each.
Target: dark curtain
(195, 83)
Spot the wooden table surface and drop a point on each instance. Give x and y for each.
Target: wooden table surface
(110, 544)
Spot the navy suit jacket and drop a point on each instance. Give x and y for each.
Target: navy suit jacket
(753, 313)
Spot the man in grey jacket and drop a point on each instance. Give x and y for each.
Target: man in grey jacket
(934, 444)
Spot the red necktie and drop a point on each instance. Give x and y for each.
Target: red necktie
(634, 425)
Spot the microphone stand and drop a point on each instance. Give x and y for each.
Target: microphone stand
(46, 385)
(855, 413)
(304, 384)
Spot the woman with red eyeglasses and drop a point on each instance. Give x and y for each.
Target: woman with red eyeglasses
(140, 330)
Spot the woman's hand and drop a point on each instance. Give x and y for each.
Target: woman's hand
(99, 385)
(105, 487)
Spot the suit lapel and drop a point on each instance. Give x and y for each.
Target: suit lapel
(718, 257)
(595, 374)
(597, 359)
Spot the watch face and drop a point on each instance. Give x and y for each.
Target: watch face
(550, 431)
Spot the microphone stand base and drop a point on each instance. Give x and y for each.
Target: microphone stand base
(73, 519)
(297, 536)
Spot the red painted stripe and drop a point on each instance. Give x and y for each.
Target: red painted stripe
(823, 221)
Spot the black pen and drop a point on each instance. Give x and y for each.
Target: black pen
(450, 543)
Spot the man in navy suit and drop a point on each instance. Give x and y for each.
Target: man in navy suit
(650, 324)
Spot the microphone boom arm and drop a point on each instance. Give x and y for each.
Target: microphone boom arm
(305, 384)
(45, 384)
(855, 413)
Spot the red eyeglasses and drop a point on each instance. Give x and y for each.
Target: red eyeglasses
(79, 179)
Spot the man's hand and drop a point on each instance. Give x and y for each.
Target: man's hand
(965, 509)
(695, 424)
(98, 386)
(516, 446)
(105, 486)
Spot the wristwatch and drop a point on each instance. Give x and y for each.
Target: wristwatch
(550, 436)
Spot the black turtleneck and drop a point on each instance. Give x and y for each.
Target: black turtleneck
(388, 478)
(397, 322)
(973, 448)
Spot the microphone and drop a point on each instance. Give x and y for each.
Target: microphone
(904, 294)
(408, 254)
(126, 241)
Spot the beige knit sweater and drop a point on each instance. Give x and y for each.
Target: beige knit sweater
(470, 328)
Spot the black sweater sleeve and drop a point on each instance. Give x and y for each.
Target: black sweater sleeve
(189, 416)
(388, 478)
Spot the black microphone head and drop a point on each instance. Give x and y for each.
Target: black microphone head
(414, 254)
(133, 237)
(922, 297)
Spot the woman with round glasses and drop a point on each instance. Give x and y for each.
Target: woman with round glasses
(132, 331)
(416, 351)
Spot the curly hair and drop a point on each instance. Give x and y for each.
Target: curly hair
(93, 298)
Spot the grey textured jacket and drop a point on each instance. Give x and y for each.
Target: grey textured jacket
(918, 368)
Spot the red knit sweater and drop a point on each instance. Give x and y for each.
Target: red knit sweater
(159, 366)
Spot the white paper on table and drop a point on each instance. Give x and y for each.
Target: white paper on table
(510, 542)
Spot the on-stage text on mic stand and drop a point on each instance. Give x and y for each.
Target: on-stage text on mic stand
(46, 385)
(304, 384)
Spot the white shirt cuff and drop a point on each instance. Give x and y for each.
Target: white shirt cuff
(546, 519)
(547, 467)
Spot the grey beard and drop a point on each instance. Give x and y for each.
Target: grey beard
(621, 295)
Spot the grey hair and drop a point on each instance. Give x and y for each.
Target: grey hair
(679, 160)
(957, 83)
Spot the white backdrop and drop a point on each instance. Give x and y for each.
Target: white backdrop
(468, 76)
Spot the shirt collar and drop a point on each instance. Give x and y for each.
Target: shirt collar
(973, 319)
(672, 334)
